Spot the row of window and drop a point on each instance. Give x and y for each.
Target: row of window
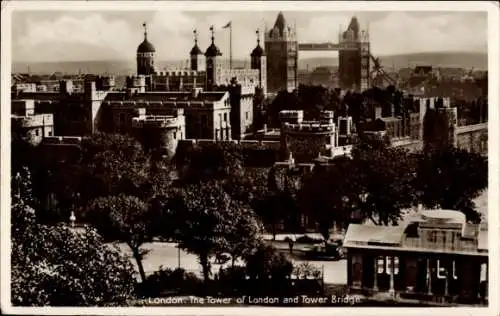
(37, 132)
(384, 266)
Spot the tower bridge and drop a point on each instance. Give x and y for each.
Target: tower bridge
(328, 47)
(353, 47)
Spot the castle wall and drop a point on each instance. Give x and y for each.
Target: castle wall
(307, 140)
(159, 132)
(473, 138)
(33, 128)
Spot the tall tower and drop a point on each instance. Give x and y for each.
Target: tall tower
(212, 62)
(281, 50)
(197, 60)
(354, 62)
(145, 56)
(258, 61)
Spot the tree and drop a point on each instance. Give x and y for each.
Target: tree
(388, 182)
(248, 187)
(113, 164)
(284, 100)
(123, 218)
(280, 205)
(61, 266)
(328, 194)
(266, 261)
(211, 162)
(245, 233)
(451, 178)
(209, 222)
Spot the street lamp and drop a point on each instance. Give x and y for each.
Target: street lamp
(72, 217)
(178, 251)
(18, 183)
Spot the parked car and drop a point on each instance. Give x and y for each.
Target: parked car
(332, 251)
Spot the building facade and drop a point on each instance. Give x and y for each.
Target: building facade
(281, 49)
(434, 256)
(28, 125)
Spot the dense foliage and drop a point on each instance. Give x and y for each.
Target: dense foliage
(208, 222)
(61, 266)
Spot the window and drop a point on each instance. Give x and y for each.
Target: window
(431, 236)
(37, 132)
(175, 135)
(380, 265)
(484, 272)
(388, 267)
(246, 115)
(225, 117)
(441, 271)
(50, 133)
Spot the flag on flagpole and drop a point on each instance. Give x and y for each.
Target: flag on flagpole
(227, 25)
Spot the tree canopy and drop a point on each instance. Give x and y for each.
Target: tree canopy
(123, 218)
(62, 266)
(209, 222)
(451, 178)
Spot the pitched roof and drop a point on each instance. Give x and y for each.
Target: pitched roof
(361, 233)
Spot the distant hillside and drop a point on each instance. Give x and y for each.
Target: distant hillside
(117, 67)
(478, 61)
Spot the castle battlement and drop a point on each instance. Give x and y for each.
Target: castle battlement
(289, 115)
(239, 73)
(309, 127)
(179, 73)
(326, 115)
(246, 144)
(157, 121)
(172, 104)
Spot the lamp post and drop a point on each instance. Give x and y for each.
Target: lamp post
(72, 217)
(178, 251)
(18, 183)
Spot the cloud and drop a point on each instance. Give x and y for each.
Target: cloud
(401, 32)
(172, 32)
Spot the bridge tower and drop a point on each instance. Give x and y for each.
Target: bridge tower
(354, 56)
(282, 59)
(354, 64)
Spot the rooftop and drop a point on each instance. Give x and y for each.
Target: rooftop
(45, 96)
(371, 236)
(166, 96)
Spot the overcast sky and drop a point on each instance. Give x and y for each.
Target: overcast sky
(94, 35)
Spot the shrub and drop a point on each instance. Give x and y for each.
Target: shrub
(168, 281)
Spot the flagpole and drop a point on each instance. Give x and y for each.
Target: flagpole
(231, 46)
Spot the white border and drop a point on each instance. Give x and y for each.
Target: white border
(493, 66)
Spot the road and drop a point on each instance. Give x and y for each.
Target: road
(166, 255)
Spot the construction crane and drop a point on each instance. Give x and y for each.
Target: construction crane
(378, 73)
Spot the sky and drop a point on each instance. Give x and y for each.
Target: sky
(114, 35)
